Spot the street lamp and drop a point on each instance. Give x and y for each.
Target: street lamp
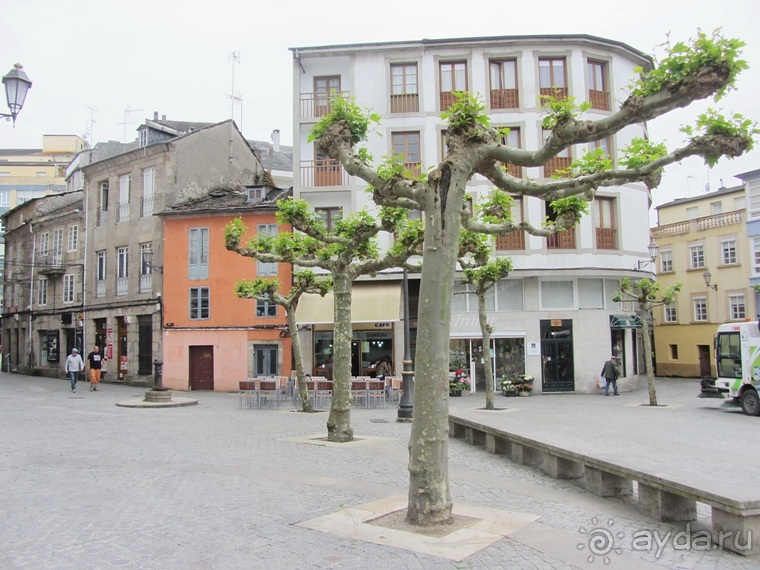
(17, 85)
(653, 250)
(147, 254)
(707, 276)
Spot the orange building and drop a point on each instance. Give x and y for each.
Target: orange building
(211, 338)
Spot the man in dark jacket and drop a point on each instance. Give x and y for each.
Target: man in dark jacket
(611, 372)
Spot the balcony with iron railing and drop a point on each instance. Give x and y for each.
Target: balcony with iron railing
(315, 105)
(50, 264)
(146, 283)
(699, 224)
(122, 286)
(323, 172)
(147, 205)
(123, 211)
(100, 288)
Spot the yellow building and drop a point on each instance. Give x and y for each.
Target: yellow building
(703, 244)
(31, 173)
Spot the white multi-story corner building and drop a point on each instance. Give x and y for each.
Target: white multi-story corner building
(553, 317)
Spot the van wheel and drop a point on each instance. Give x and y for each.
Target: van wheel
(751, 403)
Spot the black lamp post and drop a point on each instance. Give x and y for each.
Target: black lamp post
(405, 405)
(17, 84)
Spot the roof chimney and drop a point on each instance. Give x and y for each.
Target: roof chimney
(155, 115)
(163, 117)
(276, 140)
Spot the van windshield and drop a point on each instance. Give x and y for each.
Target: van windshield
(729, 355)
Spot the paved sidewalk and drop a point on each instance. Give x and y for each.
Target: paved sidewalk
(87, 484)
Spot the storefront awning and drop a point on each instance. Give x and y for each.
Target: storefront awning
(625, 322)
(370, 303)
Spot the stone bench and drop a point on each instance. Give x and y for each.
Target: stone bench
(669, 495)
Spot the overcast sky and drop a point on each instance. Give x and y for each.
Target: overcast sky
(98, 64)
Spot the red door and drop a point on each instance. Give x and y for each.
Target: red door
(201, 367)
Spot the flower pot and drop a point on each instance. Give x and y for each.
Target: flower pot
(523, 394)
(509, 393)
(455, 394)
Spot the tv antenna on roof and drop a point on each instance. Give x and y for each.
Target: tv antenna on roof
(126, 122)
(89, 126)
(234, 57)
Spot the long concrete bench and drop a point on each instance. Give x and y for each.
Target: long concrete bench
(669, 495)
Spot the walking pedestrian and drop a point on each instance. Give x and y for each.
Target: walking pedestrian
(74, 365)
(611, 372)
(95, 360)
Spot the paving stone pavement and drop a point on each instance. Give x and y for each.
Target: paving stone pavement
(87, 484)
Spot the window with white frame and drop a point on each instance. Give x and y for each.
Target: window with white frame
(146, 281)
(199, 303)
(122, 270)
(728, 251)
(197, 263)
(57, 247)
(557, 295)
(265, 309)
(671, 315)
(149, 180)
(5, 198)
(700, 308)
(44, 243)
(125, 181)
(100, 276)
(103, 202)
(666, 261)
(404, 88)
(69, 282)
(73, 238)
(509, 294)
(42, 291)
(756, 256)
(264, 269)
(692, 213)
(737, 306)
(697, 256)
(716, 208)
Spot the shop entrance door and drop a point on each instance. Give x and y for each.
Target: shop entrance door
(557, 366)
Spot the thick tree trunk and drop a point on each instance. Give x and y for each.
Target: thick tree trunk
(429, 494)
(339, 423)
(303, 393)
(644, 316)
(485, 328)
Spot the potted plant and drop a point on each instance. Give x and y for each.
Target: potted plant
(508, 388)
(524, 384)
(459, 382)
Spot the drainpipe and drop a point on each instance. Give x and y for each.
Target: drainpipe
(31, 293)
